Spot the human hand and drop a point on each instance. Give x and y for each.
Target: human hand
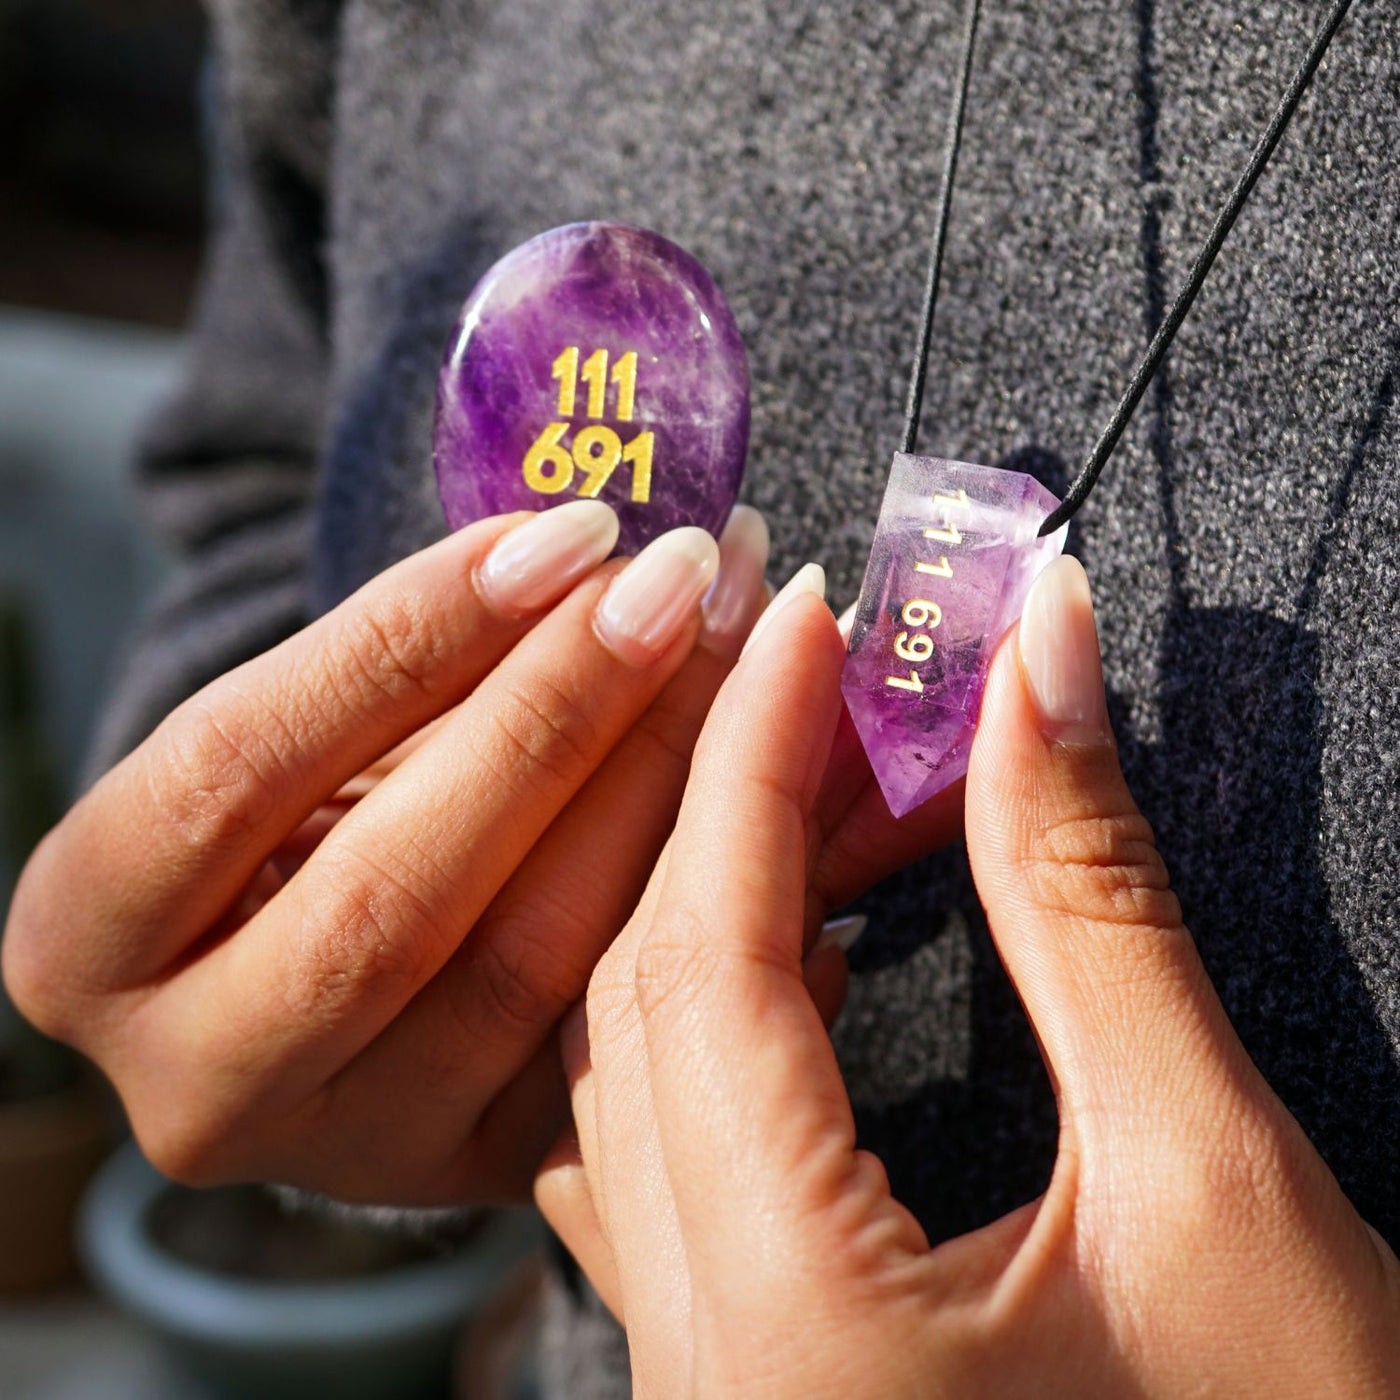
(257, 924)
(320, 927)
(1191, 1241)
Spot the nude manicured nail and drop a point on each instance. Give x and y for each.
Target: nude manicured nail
(841, 933)
(536, 563)
(810, 578)
(657, 594)
(737, 592)
(1059, 647)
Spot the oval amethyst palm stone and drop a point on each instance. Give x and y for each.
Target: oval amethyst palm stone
(595, 360)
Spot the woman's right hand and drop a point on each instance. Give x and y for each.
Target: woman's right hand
(257, 923)
(1191, 1241)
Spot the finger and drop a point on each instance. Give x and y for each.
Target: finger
(576, 1056)
(754, 1120)
(530, 955)
(401, 879)
(170, 836)
(622, 1155)
(739, 594)
(862, 841)
(564, 1199)
(825, 972)
(1076, 893)
(622, 1166)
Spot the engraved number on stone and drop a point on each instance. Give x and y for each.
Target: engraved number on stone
(639, 453)
(548, 467)
(566, 372)
(597, 451)
(949, 532)
(917, 612)
(594, 373)
(917, 648)
(624, 375)
(920, 612)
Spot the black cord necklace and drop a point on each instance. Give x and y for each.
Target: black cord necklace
(957, 545)
(1083, 483)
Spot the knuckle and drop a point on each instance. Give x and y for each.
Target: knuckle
(1229, 1188)
(547, 730)
(1245, 1180)
(396, 648)
(372, 931)
(669, 729)
(204, 1125)
(185, 1141)
(610, 1005)
(513, 990)
(181, 1157)
(1104, 868)
(521, 964)
(27, 967)
(213, 774)
(40, 958)
(673, 966)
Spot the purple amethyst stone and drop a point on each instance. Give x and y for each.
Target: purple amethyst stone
(956, 551)
(596, 360)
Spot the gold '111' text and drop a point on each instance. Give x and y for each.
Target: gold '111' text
(597, 450)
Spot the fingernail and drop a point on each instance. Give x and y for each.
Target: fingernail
(1060, 655)
(536, 563)
(841, 933)
(656, 595)
(737, 592)
(810, 578)
(846, 621)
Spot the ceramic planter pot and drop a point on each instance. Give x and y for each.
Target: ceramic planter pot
(338, 1312)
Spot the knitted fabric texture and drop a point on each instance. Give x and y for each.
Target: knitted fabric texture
(374, 159)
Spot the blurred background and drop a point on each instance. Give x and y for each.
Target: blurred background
(113, 1284)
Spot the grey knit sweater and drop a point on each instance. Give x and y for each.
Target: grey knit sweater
(375, 157)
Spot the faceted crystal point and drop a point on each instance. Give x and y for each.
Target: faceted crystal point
(955, 554)
(601, 361)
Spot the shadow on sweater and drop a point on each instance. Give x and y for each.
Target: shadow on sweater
(366, 521)
(1233, 787)
(1240, 757)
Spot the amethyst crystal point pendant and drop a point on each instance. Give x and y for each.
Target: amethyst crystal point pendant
(599, 361)
(954, 556)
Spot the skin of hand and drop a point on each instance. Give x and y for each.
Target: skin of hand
(321, 926)
(1190, 1242)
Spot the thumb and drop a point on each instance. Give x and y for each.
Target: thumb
(1078, 897)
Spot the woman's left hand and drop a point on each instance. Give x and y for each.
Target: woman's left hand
(1191, 1241)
